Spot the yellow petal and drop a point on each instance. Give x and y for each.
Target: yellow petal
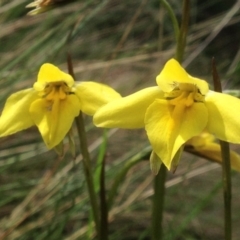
(205, 147)
(54, 120)
(173, 73)
(213, 152)
(15, 116)
(168, 128)
(127, 112)
(201, 140)
(93, 95)
(224, 116)
(49, 73)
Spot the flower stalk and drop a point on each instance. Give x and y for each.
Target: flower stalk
(88, 170)
(103, 205)
(86, 159)
(158, 203)
(226, 168)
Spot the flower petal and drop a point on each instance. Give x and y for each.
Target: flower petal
(205, 146)
(127, 112)
(50, 73)
(15, 116)
(54, 119)
(213, 152)
(173, 73)
(93, 95)
(224, 116)
(168, 128)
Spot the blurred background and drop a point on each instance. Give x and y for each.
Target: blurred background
(125, 45)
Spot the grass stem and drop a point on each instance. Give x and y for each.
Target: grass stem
(173, 18)
(122, 173)
(182, 36)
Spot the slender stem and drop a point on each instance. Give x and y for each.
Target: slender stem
(86, 158)
(227, 186)
(103, 205)
(88, 170)
(226, 168)
(158, 203)
(182, 37)
(99, 184)
(173, 18)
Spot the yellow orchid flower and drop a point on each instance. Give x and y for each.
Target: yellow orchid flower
(52, 104)
(204, 145)
(40, 6)
(179, 108)
(44, 5)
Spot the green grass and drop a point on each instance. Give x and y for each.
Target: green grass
(125, 45)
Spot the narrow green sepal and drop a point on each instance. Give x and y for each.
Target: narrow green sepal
(155, 163)
(59, 149)
(176, 159)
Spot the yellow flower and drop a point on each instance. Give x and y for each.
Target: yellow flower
(52, 104)
(44, 5)
(204, 146)
(179, 108)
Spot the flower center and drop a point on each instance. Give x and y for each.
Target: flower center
(180, 99)
(185, 94)
(56, 91)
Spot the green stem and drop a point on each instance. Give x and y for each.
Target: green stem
(182, 37)
(173, 18)
(88, 170)
(103, 205)
(86, 158)
(226, 168)
(227, 186)
(158, 203)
